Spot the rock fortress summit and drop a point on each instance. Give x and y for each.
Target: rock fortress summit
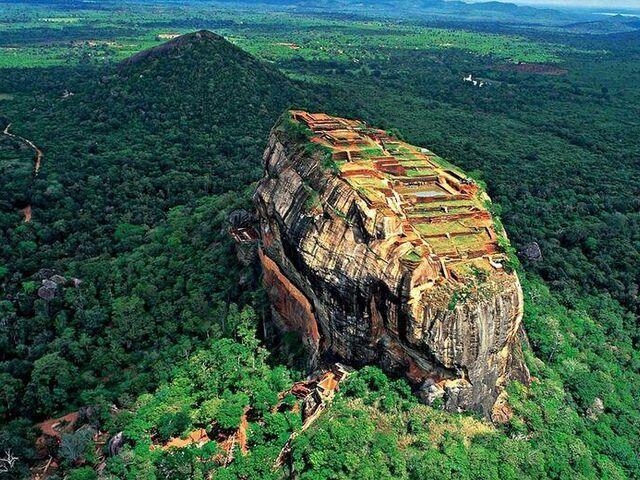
(379, 252)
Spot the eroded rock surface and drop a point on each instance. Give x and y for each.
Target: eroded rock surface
(379, 252)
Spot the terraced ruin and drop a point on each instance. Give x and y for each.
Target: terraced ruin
(442, 213)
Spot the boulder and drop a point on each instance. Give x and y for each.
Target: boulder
(240, 218)
(595, 409)
(48, 290)
(58, 280)
(115, 444)
(44, 273)
(531, 252)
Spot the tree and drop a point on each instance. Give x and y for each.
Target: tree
(9, 393)
(173, 424)
(82, 473)
(132, 326)
(231, 409)
(52, 384)
(74, 446)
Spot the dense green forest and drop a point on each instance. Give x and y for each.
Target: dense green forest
(132, 172)
(144, 160)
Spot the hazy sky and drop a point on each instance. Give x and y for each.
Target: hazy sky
(603, 4)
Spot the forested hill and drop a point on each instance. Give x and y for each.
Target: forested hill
(160, 130)
(176, 125)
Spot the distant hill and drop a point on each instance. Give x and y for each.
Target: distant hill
(606, 25)
(188, 103)
(203, 80)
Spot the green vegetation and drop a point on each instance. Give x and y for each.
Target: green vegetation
(65, 36)
(300, 133)
(419, 172)
(145, 161)
(211, 390)
(330, 164)
(413, 256)
(313, 200)
(376, 425)
(132, 200)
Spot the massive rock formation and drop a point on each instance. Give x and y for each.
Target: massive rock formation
(378, 252)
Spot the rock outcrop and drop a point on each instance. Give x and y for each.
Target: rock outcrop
(52, 284)
(379, 252)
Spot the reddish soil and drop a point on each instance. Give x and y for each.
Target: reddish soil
(293, 307)
(26, 211)
(54, 426)
(198, 437)
(242, 434)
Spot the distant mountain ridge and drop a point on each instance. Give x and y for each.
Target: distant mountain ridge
(608, 24)
(436, 9)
